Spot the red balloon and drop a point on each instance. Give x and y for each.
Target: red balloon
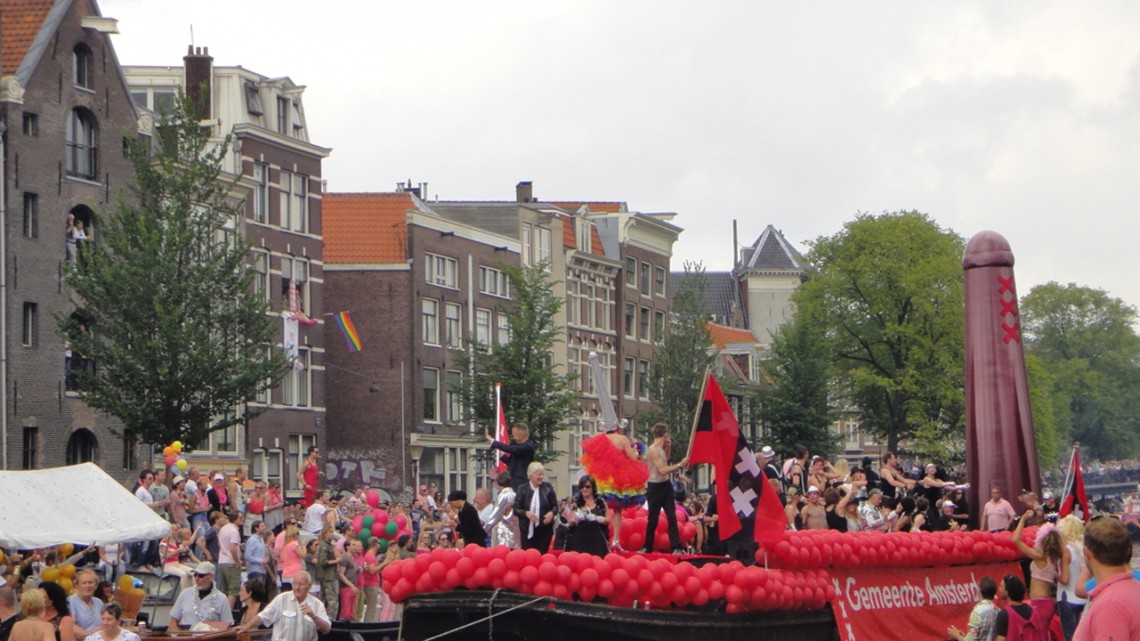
(606, 588)
(516, 559)
(528, 576)
(589, 578)
(401, 521)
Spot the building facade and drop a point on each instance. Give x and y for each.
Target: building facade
(65, 109)
(278, 174)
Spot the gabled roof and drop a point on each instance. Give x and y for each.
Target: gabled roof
(570, 237)
(723, 336)
(772, 251)
(720, 292)
(367, 228)
(20, 22)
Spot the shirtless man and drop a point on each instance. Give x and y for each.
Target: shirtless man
(812, 514)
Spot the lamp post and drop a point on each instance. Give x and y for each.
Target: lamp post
(417, 452)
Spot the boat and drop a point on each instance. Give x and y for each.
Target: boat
(508, 616)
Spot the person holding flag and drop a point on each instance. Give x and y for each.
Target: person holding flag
(659, 489)
(522, 452)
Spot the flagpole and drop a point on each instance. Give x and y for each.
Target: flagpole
(1069, 474)
(697, 414)
(498, 413)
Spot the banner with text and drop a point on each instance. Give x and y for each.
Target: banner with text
(908, 604)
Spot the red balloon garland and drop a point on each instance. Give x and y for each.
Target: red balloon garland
(797, 576)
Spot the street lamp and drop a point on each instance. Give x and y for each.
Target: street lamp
(417, 452)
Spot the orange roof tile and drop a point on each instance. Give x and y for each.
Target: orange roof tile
(365, 228)
(20, 21)
(596, 207)
(596, 241)
(723, 335)
(568, 232)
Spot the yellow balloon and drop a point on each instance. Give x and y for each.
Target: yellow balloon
(50, 574)
(66, 549)
(66, 584)
(138, 591)
(68, 571)
(176, 446)
(1, 556)
(125, 583)
(182, 464)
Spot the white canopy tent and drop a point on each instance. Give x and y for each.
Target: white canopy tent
(74, 504)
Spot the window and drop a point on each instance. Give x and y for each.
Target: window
(527, 230)
(294, 201)
(299, 445)
(573, 306)
(645, 335)
(431, 394)
(81, 67)
(441, 270)
(583, 235)
(31, 441)
(631, 272)
(31, 124)
(544, 246)
(457, 464)
(504, 336)
(31, 325)
(261, 192)
(225, 439)
(296, 385)
(266, 465)
(431, 321)
(630, 320)
(31, 215)
(850, 430)
(646, 271)
(454, 398)
(587, 302)
(299, 121)
(261, 273)
(81, 145)
(627, 379)
(295, 283)
(643, 379)
(282, 115)
(494, 282)
(129, 462)
(253, 99)
(483, 326)
(659, 325)
(454, 325)
(164, 101)
(659, 281)
(264, 390)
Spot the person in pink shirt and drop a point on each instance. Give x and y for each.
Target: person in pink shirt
(997, 513)
(1113, 612)
(291, 556)
(370, 582)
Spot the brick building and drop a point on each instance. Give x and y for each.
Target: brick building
(279, 179)
(65, 109)
(414, 283)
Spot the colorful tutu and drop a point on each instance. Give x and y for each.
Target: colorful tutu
(621, 480)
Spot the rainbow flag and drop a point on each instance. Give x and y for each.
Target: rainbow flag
(351, 338)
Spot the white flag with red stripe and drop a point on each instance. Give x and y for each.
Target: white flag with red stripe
(501, 434)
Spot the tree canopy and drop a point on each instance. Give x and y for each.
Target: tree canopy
(1088, 343)
(532, 391)
(888, 293)
(164, 304)
(796, 410)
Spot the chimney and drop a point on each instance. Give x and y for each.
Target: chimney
(199, 70)
(524, 192)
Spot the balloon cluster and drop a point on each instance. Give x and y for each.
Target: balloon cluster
(63, 575)
(635, 520)
(175, 458)
(820, 549)
(378, 524)
(663, 583)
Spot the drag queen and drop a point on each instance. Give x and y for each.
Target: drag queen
(502, 524)
(620, 474)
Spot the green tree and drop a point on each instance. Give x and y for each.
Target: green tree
(164, 304)
(680, 359)
(888, 294)
(796, 410)
(533, 392)
(1042, 400)
(1088, 342)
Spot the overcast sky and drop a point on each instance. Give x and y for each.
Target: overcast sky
(1021, 117)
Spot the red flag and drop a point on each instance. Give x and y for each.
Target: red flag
(1076, 492)
(501, 434)
(742, 489)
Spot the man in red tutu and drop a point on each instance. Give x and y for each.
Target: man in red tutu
(617, 467)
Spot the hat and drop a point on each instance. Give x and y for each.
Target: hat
(1048, 496)
(817, 457)
(176, 481)
(946, 504)
(767, 452)
(813, 489)
(219, 477)
(423, 488)
(204, 568)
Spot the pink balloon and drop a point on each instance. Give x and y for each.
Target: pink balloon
(381, 517)
(372, 498)
(377, 530)
(357, 523)
(401, 521)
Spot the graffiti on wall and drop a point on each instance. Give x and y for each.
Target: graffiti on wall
(348, 468)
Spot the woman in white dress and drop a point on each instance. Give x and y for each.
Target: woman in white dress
(502, 524)
(109, 627)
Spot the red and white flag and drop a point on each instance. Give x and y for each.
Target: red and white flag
(501, 434)
(1075, 493)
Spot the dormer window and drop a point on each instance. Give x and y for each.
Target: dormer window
(253, 99)
(81, 66)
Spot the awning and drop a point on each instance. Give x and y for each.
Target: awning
(75, 504)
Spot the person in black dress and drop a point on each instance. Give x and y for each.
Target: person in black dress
(468, 524)
(589, 520)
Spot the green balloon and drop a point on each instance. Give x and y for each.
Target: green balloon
(366, 523)
(364, 536)
(390, 529)
(383, 546)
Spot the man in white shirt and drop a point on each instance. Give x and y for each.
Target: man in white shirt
(140, 550)
(295, 615)
(201, 603)
(315, 514)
